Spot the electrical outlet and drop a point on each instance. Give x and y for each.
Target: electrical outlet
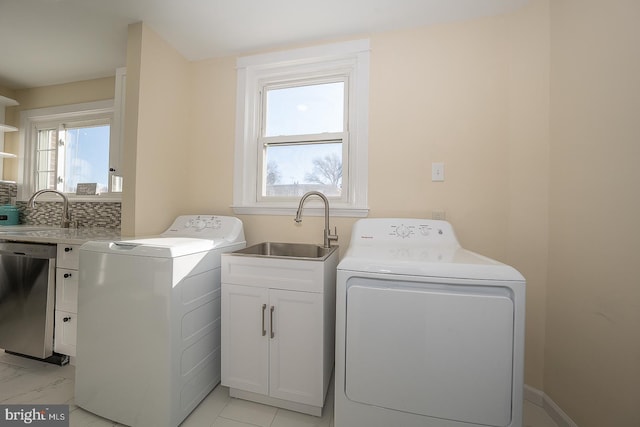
(441, 215)
(437, 172)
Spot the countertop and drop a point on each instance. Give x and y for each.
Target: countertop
(55, 235)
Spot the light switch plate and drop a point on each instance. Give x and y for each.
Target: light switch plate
(437, 172)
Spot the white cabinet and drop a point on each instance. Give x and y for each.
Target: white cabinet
(245, 347)
(278, 330)
(273, 342)
(67, 290)
(295, 350)
(66, 308)
(64, 340)
(5, 102)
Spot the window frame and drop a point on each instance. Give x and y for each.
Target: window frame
(348, 60)
(31, 120)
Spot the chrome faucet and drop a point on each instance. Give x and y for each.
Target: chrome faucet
(328, 237)
(66, 220)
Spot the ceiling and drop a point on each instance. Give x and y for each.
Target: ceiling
(45, 42)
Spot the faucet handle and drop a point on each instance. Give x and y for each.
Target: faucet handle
(333, 236)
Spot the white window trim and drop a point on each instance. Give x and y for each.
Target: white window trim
(251, 69)
(28, 119)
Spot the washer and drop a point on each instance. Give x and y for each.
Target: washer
(428, 334)
(148, 347)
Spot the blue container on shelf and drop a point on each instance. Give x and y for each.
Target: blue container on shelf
(9, 215)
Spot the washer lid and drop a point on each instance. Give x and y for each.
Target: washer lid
(159, 247)
(429, 261)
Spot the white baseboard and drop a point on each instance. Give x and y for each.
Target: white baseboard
(556, 413)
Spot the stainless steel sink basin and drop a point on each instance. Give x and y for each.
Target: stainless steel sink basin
(287, 250)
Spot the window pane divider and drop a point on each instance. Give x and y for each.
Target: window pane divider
(319, 138)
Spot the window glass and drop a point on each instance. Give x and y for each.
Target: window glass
(68, 155)
(86, 158)
(292, 170)
(46, 155)
(306, 109)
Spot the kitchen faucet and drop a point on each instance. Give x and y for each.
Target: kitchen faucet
(66, 220)
(328, 237)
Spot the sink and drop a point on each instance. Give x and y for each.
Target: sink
(286, 266)
(304, 251)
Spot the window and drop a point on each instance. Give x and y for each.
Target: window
(302, 126)
(303, 138)
(71, 153)
(65, 146)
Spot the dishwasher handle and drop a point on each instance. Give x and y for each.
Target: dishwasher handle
(31, 250)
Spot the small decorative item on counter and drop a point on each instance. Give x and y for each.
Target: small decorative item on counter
(9, 215)
(86, 189)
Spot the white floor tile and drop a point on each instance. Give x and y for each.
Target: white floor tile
(249, 412)
(209, 409)
(23, 362)
(28, 381)
(223, 422)
(78, 417)
(286, 418)
(56, 390)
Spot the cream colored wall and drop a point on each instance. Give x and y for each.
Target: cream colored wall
(473, 95)
(528, 159)
(50, 96)
(130, 143)
(157, 134)
(592, 360)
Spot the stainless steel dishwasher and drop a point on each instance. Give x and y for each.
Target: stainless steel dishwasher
(27, 280)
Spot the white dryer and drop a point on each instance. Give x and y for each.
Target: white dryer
(428, 334)
(148, 347)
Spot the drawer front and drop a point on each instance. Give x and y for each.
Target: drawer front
(68, 256)
(67, 290)
(65, 333)
(290, 275)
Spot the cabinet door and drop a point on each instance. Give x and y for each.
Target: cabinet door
(296, 347)
(68, 256)
(245, 338)
(67, 290)
(65, 333)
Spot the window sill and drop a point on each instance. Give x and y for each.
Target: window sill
(308, 210)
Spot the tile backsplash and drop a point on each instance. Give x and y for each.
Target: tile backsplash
(87, 214)
(7, 191)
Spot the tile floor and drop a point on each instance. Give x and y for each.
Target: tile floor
(28, 381)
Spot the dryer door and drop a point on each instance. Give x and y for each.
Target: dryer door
(443, 351)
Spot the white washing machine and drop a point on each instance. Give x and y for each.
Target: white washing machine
(428, 334)
(148, 348)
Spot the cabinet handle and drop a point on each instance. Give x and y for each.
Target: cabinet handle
(271, 321)
(67, 275)
(264, 308)
(68, 249)
(66, 319)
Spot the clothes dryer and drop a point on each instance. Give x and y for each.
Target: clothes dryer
(428, 334)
